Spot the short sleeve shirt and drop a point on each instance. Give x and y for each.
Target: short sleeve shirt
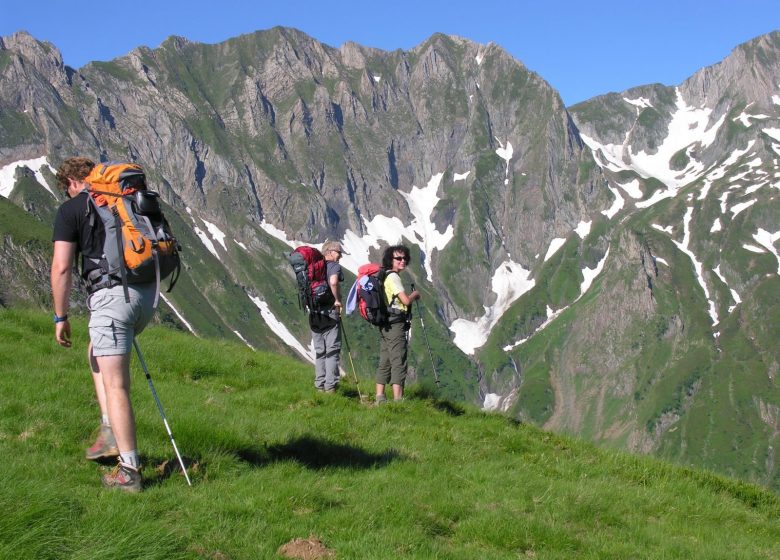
(393, 287)
(72, 224)
(334, 268)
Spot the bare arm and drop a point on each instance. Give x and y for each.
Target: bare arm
(333, 282)
(408, 299)
(61, 283)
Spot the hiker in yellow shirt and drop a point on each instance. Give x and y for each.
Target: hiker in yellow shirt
(393, 343)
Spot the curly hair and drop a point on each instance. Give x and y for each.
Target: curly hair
(73, 168)
(387, 257)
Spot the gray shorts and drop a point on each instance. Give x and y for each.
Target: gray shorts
(113, 322)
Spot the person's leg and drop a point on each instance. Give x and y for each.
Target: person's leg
(105, 444)
(333, 349)
(397, 350)
(113, 325)
(318, 343)
(116, 380)
(97, 379)
(383, 370)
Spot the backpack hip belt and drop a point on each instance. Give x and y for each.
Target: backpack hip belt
(396, 315)
(96, 280)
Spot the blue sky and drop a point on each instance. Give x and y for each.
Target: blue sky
(581, 48)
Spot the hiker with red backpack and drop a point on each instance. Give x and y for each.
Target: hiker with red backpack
(324, 321)
(120, 304)
(393, 341)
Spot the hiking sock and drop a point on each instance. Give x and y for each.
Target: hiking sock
(106, 421)
(130, 458)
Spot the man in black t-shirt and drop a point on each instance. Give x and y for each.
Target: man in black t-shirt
(113, 323)
(325, 322)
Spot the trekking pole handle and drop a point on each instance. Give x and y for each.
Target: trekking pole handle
(418, 309)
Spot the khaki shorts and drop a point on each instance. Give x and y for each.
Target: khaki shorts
(113, 322)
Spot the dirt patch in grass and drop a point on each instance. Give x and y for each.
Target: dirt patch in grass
(306, 549)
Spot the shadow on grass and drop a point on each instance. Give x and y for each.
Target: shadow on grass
(157, 470)
(428, 393)
(314, 453)
(351, 392)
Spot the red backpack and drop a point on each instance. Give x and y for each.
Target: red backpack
(310, 270)
(371, 298)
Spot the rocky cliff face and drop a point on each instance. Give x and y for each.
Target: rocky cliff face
(582, 269)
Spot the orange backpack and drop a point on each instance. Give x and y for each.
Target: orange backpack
(139, 246)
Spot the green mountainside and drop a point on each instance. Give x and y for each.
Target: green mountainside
(273, 461)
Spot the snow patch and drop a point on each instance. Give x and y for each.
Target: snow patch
(510, 281)
(216, 233)
(176, 312)
(617, 204)
(460, 176)
(773, 133)
(724, 198)
(667, 229)
(632, 189)
(734, 294)
(716, 226)
(640, 102)
(239, 335)
(206, 241)
(745, 117)
(555, 244)
(241, 245)
(583, 229)
(590, 274)
(8, 172)
(705, 190)
(422, 231)
(377, 79)
(661, 260)
(275, 232)
(492, 402)
(506, 155)
(684, 247)
(737, 208)
(767, 239)
(278, 328)
(689, 126)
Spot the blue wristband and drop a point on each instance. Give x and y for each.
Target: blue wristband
(58, 319)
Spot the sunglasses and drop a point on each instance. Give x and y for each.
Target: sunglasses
(401, 259)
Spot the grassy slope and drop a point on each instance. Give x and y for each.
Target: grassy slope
(272, 461)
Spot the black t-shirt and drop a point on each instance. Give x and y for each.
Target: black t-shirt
(72, 224)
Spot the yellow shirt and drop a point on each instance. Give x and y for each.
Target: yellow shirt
(393, 287)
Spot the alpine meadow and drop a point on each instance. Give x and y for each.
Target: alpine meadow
(593, 366)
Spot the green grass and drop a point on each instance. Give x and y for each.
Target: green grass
(271, 460)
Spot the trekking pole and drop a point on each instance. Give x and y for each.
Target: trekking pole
(160, 408)
(349, 353)
(425, 336)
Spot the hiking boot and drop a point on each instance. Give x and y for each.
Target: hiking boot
(123, 477)
(381, 399)
(331, 390)
(104, 446)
